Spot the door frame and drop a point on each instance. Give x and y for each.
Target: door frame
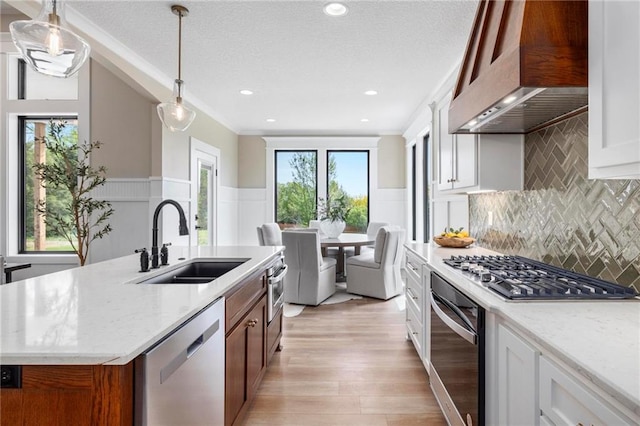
(201, 151)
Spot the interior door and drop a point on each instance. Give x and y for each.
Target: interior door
(204, 203)
(204, 194)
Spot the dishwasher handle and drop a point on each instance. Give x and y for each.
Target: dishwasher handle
(188, 352)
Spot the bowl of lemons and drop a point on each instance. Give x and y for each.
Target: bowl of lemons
(454, 238)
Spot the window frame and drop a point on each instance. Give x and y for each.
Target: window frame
(275, 175)
(22, 180)
(9, 173)
(321, 144)
(368, 154)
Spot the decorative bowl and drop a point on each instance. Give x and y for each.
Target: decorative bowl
(453, 242)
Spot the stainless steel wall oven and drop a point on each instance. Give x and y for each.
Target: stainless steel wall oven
(457, 353)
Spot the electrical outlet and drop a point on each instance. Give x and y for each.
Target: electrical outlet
(10, 376)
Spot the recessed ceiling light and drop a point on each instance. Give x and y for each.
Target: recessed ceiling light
(246, 92)
(371, 92)
(270, 120)
(335, 9)
(364, 120)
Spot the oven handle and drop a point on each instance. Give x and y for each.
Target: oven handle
(457, 328)
(277, 278)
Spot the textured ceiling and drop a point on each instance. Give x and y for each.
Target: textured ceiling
(308, 70)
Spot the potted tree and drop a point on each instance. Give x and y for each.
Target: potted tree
(333, 214)
(85, 218)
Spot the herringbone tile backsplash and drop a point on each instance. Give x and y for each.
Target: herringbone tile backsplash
(563, 218)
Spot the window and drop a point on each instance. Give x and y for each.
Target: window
(348, 176)
(35, 236)
(414, 192)
(426, 173)
(296, 187)
(320, 150)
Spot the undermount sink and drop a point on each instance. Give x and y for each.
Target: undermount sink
(195, 272)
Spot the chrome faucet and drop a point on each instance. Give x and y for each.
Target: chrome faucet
(184, 230)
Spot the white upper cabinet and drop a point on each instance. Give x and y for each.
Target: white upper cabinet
(614, 89)
(471, 163)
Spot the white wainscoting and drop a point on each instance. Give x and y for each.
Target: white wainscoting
(252, 209)
(228, 221)
(134, 202)
(131, 223)
(388, 205)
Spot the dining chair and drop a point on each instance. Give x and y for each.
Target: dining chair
(269, 234)
(315, 224)
(311, 278)
(376, 273)
(372, 231)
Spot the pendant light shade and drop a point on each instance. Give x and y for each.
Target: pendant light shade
(174, 114)
(47, 45)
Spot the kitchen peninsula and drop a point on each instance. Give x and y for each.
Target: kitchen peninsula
(79, 330)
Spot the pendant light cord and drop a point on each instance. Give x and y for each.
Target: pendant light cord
(180, 45)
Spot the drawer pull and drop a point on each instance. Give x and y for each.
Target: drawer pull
(252, 323)
(410, 293)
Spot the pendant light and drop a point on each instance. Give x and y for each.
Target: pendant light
(47, 45)
(174, 114)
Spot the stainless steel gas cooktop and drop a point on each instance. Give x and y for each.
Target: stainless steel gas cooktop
(520, 278)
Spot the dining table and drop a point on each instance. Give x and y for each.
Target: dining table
(346, 239)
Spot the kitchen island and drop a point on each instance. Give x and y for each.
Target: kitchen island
(75, 333)
(598, 341)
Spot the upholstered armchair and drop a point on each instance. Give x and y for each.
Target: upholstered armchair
(311, 278)
(269, 234)
(376, 273)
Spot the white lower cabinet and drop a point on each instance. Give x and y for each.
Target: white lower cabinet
(517, 391)
(527, 386)
(426, 311)
(417, 307)
(564, 401)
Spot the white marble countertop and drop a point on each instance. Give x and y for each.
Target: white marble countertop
(599, 339)
(96, 314)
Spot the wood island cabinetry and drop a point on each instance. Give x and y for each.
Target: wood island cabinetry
(246, 345)
(79, 395)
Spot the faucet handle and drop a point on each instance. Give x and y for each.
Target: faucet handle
(164, 254)
(144, 259)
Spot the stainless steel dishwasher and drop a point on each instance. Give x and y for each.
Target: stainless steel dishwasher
(180, 380)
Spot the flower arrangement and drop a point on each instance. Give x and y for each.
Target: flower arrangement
(333, 210)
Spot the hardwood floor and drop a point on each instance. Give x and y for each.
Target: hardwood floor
(346, 364)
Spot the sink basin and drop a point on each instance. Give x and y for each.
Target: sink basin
(196, 272)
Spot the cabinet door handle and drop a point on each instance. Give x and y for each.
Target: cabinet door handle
(252, 323)
(410, 293)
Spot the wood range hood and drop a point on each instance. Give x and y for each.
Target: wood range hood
(525, 67)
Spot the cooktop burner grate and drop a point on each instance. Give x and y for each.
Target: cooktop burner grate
(520, 278)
